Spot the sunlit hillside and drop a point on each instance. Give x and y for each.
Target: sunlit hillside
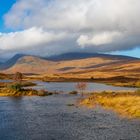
(97, 67)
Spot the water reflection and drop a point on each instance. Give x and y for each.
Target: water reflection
(70, 86)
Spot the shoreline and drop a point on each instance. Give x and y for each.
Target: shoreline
(13, 92)
(126, 104)
(132, 83)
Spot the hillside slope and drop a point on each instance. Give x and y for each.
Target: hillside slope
(9, 63)
(97, 66)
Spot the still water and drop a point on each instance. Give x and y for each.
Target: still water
(5, 81)
(70, 86)
(50, 118)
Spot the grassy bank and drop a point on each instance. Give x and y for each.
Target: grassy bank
(18, 90)
(127, 84)
(23, 84)
(23, 92)
(115, 81)
(124, 103)
(28, 84)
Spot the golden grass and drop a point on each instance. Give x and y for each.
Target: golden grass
(127, 84)
(23, 92)
(125, 104)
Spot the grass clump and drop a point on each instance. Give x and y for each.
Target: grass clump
(23, 92)
(138, 91)
(73, 92)
(44, 93)
(70, 105)
(17, 90)
(27, 84)
(15, 87)
(138, 84)
(125, 103)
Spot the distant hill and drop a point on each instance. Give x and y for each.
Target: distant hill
(10, 62)
(27, 64)
(74, 56)
(63, 57)
(77, 64)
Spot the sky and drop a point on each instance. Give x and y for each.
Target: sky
(5, 5)
(49, 27)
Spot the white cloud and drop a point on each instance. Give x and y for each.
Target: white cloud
(27, 39)
(96, 25)
(98, 39)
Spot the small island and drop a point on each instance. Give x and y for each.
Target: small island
(16, 91)
(17, 88)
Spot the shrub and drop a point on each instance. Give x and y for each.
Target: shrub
(42, 92)
(92, 78)
(15, 87)
(18, 77)
(73, 92)
(81, 86)
(27, 84)
(70, 105)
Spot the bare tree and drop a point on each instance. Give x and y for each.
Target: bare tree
(81, 86)
(18, 77)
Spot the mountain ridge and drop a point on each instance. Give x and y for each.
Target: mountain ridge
(97, 65)
(62, 57)
(79, 55)
(10, 62)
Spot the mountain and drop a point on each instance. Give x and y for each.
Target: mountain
(75, 64)
(79, 55)
(28, 64)
(10, 62)
(63, 57)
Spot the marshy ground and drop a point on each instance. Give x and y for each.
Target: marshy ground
(60, 117)
(124, 103)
